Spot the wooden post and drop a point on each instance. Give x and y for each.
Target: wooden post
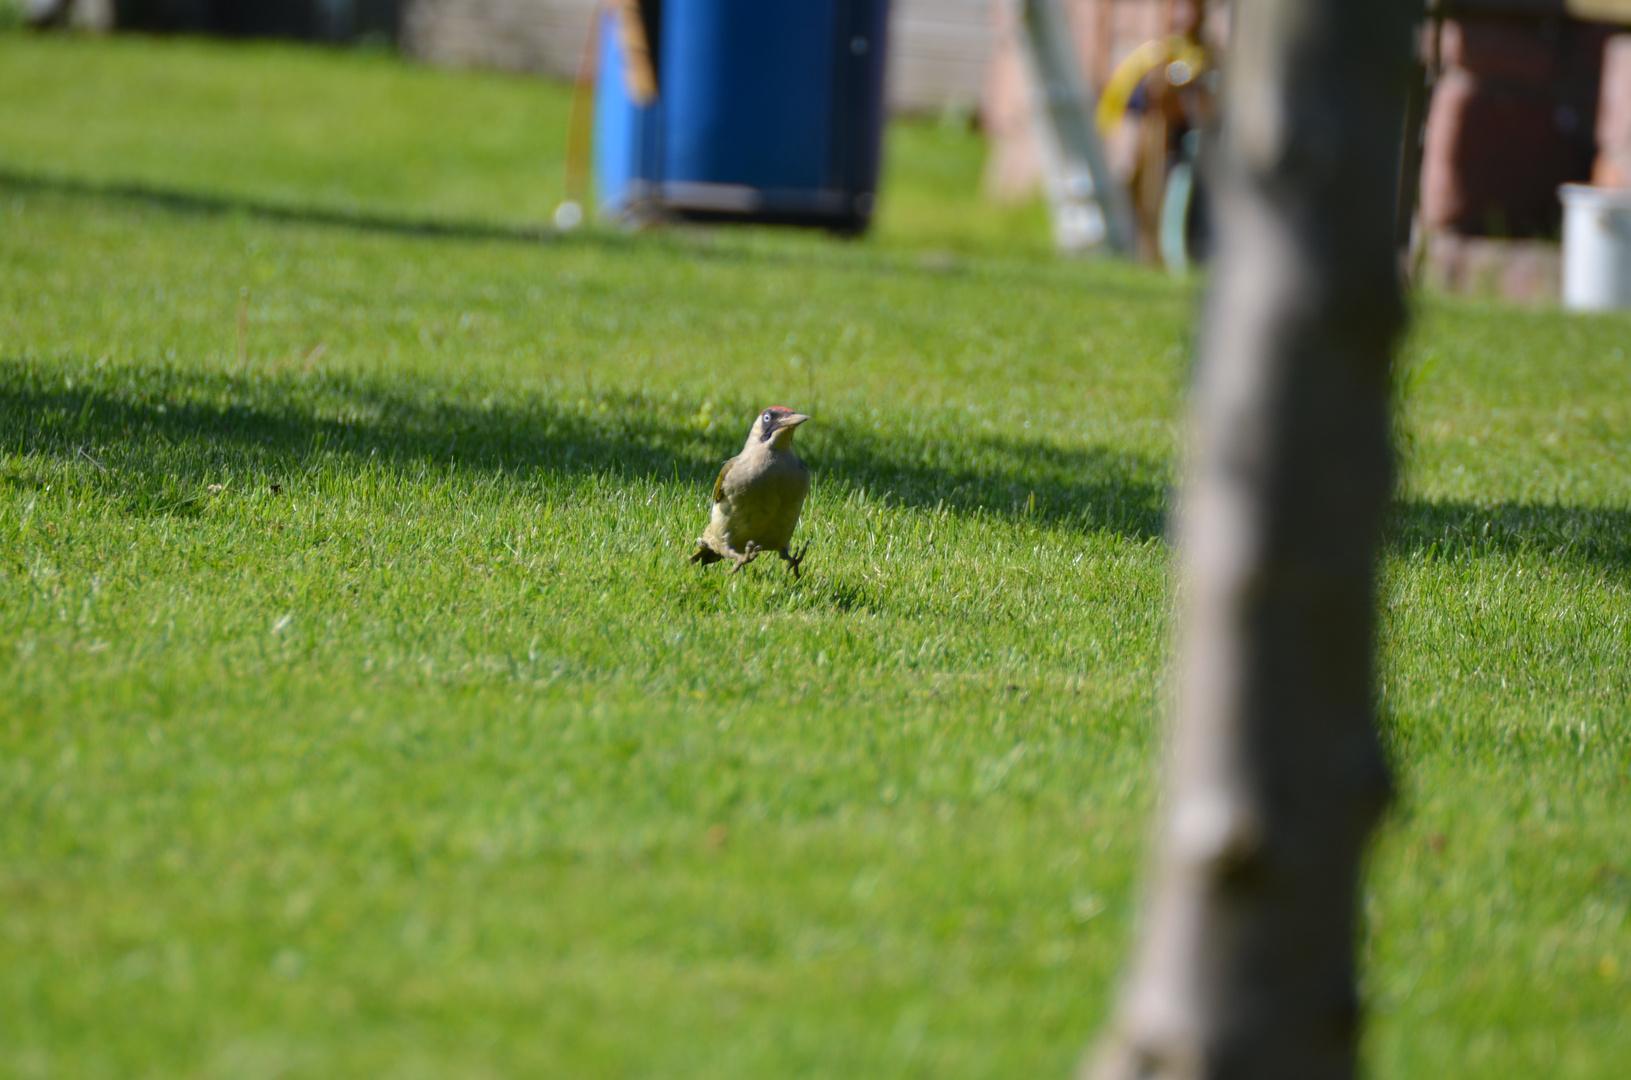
(1274, 776)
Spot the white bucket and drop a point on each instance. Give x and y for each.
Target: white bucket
(1596, 247)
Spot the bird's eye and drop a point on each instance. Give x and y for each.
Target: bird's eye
(766, 417)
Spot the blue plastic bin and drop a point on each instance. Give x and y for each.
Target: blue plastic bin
(765, 112)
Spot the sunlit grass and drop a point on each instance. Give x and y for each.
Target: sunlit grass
(363, 716)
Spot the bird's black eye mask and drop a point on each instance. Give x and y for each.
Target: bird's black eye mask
(769, 425)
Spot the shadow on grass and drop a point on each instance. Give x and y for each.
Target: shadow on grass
(151, 439)
(179, 201)
(1450, 529)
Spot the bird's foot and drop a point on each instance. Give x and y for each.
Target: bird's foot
(793, 558)
(750, 551)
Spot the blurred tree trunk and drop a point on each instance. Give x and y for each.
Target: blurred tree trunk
(1274, 775)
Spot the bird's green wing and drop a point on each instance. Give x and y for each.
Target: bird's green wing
(719, 485)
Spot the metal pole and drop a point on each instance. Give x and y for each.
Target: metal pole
(1089, 206)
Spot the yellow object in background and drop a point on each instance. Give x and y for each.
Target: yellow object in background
(1183, 58)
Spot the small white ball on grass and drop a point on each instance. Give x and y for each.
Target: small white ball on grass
(568, 216)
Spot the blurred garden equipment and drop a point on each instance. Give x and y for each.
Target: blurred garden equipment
(1596, 247)
(1152, 62)
(737, 111)
(1172, 83)
(1089, 206)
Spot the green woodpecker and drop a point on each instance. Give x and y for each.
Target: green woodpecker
(758, 496)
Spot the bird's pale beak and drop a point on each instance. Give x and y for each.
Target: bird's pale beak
(791, 420)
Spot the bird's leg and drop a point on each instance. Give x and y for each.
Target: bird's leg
(794, 558)
(749, 552)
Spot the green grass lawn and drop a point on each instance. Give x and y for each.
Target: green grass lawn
(362, 716)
